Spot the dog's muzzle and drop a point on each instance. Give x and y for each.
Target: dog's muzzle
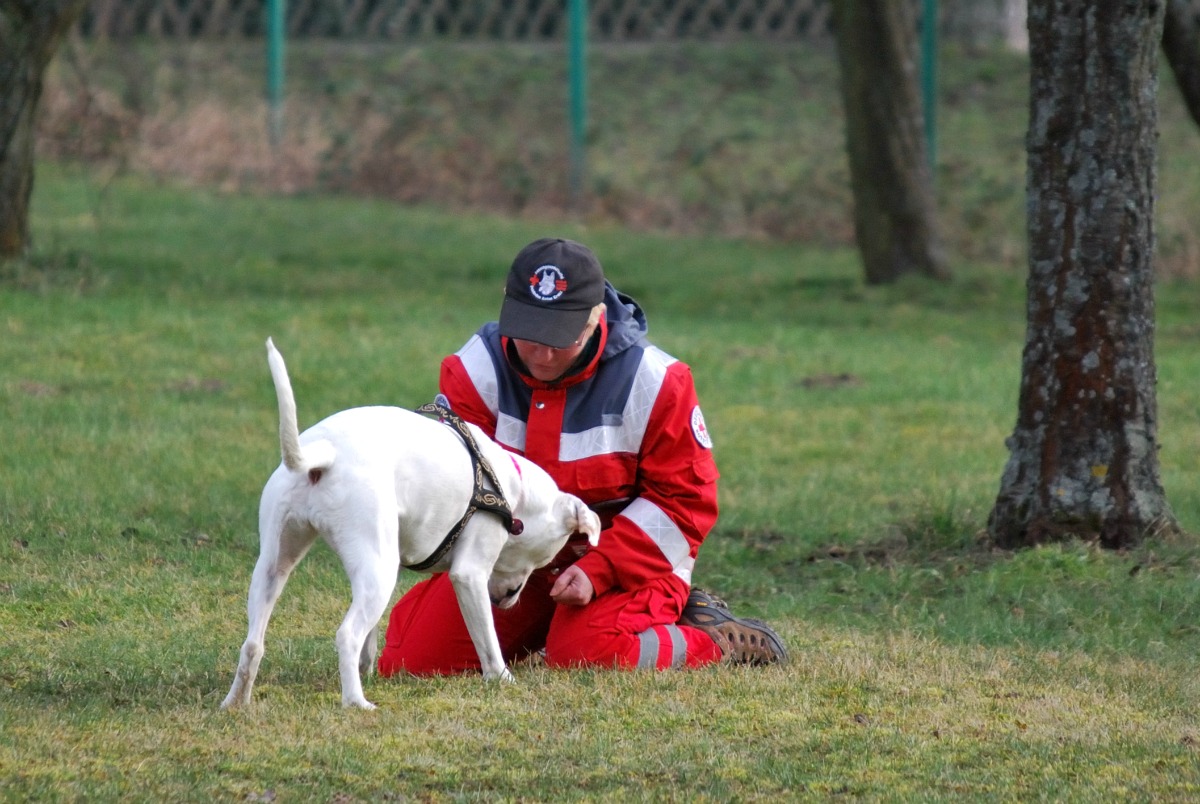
(509, 597)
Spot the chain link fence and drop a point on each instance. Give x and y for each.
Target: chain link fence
(725, 119)
(968, 21)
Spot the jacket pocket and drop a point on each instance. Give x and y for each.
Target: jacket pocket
(606, 480)
(704, 468)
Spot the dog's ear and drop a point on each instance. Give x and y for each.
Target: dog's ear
(587, 522)
(576, 517)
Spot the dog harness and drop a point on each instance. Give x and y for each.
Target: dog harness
(481, 498)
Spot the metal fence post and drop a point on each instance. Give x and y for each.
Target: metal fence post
(577, 46)
(929, 38)
(276, 22)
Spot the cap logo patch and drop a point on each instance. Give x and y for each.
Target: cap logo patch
(700, 429)
(547, 283)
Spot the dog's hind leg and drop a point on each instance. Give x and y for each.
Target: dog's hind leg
(369, 653)
(372, 576)
(277, 557)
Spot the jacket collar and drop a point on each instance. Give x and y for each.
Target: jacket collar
(595, 349)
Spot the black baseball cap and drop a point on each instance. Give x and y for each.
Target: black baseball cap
(552, 287)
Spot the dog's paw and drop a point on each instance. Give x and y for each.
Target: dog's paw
(587, 522)
(503, 677)
(237, 697)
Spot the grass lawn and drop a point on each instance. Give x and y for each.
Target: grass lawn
(860, 434)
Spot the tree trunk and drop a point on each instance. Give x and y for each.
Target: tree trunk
(30, 32)
(1181, 44)
(895, 214)
(1084, 455)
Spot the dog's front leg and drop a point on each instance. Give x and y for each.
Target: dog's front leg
(470, 587)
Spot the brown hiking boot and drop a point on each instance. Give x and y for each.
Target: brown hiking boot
(741, 640)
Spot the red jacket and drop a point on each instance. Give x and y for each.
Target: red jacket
(625, 434)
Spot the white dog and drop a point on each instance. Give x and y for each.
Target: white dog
(384, 486)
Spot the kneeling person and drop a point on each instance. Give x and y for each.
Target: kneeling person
(568, 379)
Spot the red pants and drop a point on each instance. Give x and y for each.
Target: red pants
(426, 634)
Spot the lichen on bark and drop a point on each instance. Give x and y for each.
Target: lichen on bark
(1083, 458)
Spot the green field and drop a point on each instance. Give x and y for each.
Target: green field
(860, 436)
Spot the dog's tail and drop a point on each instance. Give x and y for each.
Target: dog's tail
(319, 456)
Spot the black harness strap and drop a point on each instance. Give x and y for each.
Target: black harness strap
(482, 499)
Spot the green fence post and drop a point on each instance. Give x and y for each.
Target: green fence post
(276, 22)
(929, 37)
(577, 64)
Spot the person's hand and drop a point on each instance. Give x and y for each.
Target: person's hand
(573, 587)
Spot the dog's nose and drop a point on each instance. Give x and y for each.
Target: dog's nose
(508, 597)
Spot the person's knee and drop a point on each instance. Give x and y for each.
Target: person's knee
(398, 659)
(425, 634)
(594, 652)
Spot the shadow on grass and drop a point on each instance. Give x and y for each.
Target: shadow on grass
(937, 574)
